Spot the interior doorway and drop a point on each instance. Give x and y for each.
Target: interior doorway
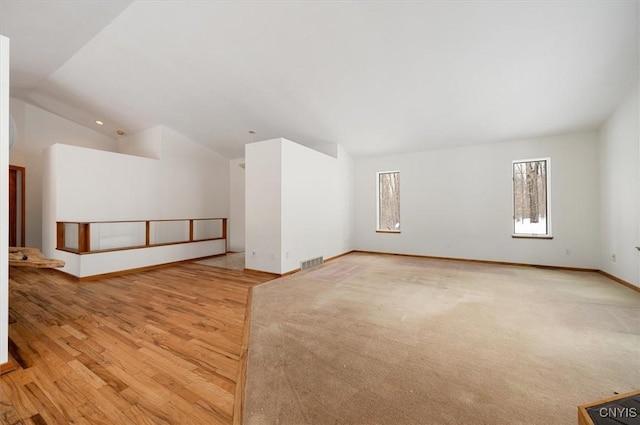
(16, 205)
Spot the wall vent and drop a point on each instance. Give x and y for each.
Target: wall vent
(312, 262)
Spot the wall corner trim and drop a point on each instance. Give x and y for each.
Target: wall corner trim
(620, 281)
(8, 367)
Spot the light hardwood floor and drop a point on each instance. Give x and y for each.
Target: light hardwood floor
(158, 347)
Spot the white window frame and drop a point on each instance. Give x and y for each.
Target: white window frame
(378, 229)
(549, 234)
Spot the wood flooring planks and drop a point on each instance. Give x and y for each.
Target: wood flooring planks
(156, 347)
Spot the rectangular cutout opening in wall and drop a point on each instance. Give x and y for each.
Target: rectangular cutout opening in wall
(115, 235)
(207, 229)
(163, 232)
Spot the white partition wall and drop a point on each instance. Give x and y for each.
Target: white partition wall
(317, 204)
(188, 181)
(4, 197)
(298, 205)
(38, 129)
(263, 206)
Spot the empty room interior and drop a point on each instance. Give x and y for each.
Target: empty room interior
(327, 212)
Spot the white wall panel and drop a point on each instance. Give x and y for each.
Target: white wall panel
(458, 203)
(620, 172)
(88, 185)
(4, 199)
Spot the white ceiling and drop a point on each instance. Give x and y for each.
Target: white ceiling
(377, 77)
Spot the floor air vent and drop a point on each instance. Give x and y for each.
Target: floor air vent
(312, 262)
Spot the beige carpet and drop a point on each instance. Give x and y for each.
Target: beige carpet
(380, 339)
(232, 260)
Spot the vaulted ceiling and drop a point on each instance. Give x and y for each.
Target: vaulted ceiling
(377, 77)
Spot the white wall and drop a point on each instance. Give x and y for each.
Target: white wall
(317, 204)
(298, 205)
(94, 185)
(189, 181)
(263, 202)
(458, 203)
(194, 180)
(236, 205)
(620, 172)
(37, 130)
(4, 200)
(146, 143)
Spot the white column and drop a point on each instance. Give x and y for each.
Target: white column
(4, 199)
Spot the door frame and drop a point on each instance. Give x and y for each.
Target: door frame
(21, 172)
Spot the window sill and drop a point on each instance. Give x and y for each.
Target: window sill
(387, 231)
(520, 236)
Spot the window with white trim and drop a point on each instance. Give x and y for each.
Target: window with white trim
(388, 201)
(531, 200)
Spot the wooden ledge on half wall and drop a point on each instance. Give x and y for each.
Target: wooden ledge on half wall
(618, 409)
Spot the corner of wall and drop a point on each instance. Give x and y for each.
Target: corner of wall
(146, 143)
(48, 200)
(263, 205)
(331, 149)
(619, 161)
(237, 204)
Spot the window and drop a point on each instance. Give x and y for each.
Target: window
(389, 201)
(531, 198)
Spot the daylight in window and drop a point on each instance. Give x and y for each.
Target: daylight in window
(389, 201)
(530, 197)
